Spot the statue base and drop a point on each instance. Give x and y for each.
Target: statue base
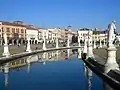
(111, 59)
(28, 49)
(90, 51)
(6, 51)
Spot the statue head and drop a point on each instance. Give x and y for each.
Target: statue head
(114, 21)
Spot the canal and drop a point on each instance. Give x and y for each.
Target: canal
(55, 70)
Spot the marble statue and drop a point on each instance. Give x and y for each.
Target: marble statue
(111, 33)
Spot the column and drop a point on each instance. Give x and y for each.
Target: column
(28, 48)
(6, 52)
(90, 49)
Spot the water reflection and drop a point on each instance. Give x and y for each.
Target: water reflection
(79, 53)
(27, 61)
(6, 72)
(42, 58)
(88, 74)
(69, 73)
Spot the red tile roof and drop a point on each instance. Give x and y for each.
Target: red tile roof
(31, 28)
(12, 24)
(19, 25)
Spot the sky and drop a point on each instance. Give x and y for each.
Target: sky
(61, 13)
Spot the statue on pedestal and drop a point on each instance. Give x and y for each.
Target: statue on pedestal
(111, 34)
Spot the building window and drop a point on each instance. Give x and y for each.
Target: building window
(13, 30)
(17, 30)
(7, 29)
(22, 31)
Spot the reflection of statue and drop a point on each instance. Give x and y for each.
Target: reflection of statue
(89, 77)
(79, 53)
(28, 63)
(6, 80)
(111, 34)
(111, 50)
(6, 71)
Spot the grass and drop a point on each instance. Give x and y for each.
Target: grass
(14, 51)
(103, 54)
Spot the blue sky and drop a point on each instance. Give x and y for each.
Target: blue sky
(61, 13)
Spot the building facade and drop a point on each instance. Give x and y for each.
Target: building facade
(15, 32)
(32, 34)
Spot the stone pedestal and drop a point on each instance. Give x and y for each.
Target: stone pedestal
(79, 41)
(100, 45)
(6, 49)
(68, 43)
(57, 45)
(94, 45)
(68, 53)
(111, 60)
(44, 45)
(28, 48)
(44, 42)
(85, 46)
(90, 51)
